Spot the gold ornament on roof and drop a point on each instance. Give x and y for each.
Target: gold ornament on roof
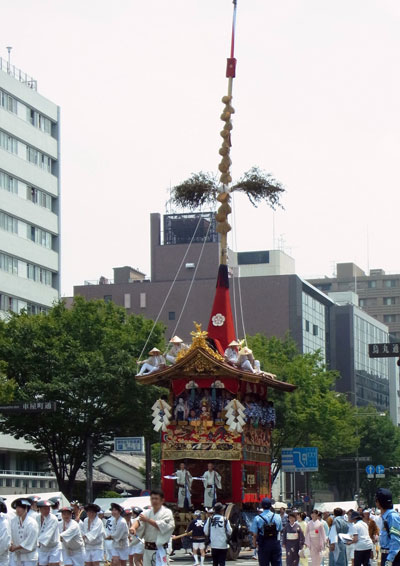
(199, 341)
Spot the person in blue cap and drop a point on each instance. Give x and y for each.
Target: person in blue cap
(266, 530)
(390, 534)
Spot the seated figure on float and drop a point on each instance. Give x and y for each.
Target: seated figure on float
(231, 354)
(154, 362)
(177, 346)
(247, 362)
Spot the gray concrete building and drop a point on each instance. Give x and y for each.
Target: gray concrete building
(182, 286)
(363, 379)
(266, 295)
(378, 292)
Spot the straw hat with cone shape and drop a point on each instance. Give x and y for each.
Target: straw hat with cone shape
(176, 340)
(154, 352)
(245, 351)
(233, 343)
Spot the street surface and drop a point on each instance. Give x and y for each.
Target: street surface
(245, 559)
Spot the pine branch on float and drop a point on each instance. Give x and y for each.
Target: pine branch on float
(202, 188)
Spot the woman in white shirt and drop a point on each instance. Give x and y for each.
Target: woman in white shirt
(361, 540)
(93, 536)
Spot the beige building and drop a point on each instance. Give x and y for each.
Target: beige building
(378, 292)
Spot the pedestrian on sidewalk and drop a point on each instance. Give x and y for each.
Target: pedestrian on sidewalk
(292, 540)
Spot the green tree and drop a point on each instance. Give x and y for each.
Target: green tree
(314, 414)
(84, 359)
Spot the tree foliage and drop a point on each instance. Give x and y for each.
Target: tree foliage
(83, 359)
(379, 440)
(202, 188)
(314, 414)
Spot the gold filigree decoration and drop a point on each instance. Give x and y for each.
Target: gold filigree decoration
(199, 341)
(200, 364)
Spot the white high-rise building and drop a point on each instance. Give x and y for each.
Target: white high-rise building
(29, 195)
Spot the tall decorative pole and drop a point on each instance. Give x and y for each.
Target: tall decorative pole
(223, 226)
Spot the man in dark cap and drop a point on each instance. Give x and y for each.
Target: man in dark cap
(266, 530)
(390, 534)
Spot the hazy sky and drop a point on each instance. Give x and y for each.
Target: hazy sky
(317, 99)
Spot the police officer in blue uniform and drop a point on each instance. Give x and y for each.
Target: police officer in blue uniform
(389, 537)
(266, 529)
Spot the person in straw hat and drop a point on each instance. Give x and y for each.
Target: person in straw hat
(247, 362)
(231, 354)
(155, 362)
(177, 346)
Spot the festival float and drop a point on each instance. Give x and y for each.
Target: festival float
(216, 421)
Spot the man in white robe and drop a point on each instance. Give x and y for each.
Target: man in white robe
(159, 525)
(49, 535)
(177, 346)
(231, 354)
(5, 536)
(184, 480)
(71, 539)
(93, 534)
(24, 535)
(155, 362)
(211, 482)
(119, 536)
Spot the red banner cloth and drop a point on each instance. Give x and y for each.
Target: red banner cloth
(220, 327)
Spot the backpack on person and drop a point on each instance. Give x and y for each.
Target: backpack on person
(269, 529)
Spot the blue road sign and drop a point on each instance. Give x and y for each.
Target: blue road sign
(300, 459)
(380, 469)
(370, 469)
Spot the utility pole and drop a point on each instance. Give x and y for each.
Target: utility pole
(89, 469)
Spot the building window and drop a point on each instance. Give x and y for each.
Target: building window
(315, 330)
(8, 223)
(371, 284)
(9, 264)
(127, 300)
(31, 308)
(142, 300)
(8, 183)
(39, 274)
(389, 283)
(8, 143)
(389, 318)
(389, 300)
(39, 236)
(307, 326)
(171, 315)
(324, 286)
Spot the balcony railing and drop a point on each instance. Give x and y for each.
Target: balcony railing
(27, 474)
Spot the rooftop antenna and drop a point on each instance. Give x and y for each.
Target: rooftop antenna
(9, 58)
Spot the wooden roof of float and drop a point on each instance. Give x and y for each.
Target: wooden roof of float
(202, 361)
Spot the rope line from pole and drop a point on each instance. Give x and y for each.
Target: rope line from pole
(170, 289)
(192, 281)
